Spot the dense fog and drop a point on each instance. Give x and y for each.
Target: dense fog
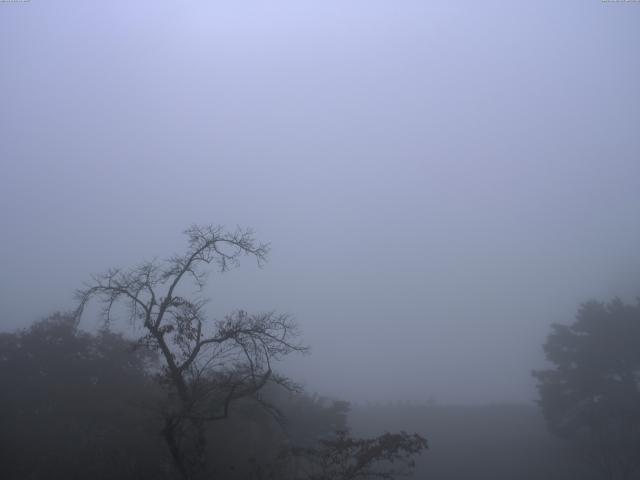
(439, 182)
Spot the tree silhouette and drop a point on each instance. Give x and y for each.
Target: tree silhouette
(208, 365)
(591, 395)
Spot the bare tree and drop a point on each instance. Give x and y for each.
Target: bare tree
(208, 364)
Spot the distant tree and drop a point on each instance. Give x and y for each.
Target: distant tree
(208, 365)
(591, 394)
(74, 405)
(252, 440)
(310, 418)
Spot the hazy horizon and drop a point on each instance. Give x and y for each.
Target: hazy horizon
(439, 182)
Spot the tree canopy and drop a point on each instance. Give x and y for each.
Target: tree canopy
(77, 405)
(591, 395)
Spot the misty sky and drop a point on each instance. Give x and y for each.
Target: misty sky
(439, 181)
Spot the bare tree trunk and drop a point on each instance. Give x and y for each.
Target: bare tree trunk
(187, 445)
(169, 434)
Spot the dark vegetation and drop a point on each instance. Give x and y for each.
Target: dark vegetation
(194, 398)
(591, 395)
(80, 405)
(76, 405)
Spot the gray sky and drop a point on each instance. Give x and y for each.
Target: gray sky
(439, 180)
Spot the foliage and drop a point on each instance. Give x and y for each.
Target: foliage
(343, 457)
(591, 395)
(302, 418)
(74, 405)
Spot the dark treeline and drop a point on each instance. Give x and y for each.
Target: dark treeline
(81, 405)
(89, 405)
